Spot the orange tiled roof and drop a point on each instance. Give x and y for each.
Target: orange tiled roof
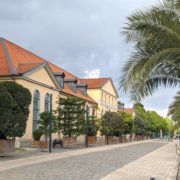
(67, 90)
(23, 68)
(4, 67)
(127, 110)
(95, 83)
(16, 60)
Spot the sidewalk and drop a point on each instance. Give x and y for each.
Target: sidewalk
(161, 164)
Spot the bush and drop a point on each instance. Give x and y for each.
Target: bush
(14, 109)
(37, 133)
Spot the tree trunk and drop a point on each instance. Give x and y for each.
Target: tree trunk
(86, 141)
(107, 139)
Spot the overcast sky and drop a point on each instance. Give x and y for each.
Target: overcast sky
(82, 36)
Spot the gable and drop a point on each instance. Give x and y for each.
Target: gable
(109, 87)
(41, 75)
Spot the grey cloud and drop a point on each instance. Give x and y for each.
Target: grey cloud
(78, 35)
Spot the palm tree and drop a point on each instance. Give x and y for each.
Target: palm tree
(174, 109)
(155, 33)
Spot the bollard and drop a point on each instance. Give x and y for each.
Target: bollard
(152, 178)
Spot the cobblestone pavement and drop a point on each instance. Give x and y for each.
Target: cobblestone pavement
(89, 166)
(161, 164)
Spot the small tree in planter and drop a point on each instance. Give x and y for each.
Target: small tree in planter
(14, 111)
(37, 133)
(128, 124)
(118, 125)
(71, 119)
(106, 127)
(91, 128)
(44, 125)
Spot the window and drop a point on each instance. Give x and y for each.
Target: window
(36, 109)
(102, 98)
(47, 102)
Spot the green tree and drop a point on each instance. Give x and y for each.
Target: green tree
(72, 116)
(128, 123)
(91, 126)
(106, 127)
(174, 109)
(14, 109)
(155, 32)
(44, 124)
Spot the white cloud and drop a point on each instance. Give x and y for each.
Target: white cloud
(162, 112)
(92, 73)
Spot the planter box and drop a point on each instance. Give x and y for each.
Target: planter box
(7, 147)
(35, 144)
(40, 144)
(69, 142)
(91, 140)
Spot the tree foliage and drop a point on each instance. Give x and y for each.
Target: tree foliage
(14, 109)
(44, 123)
(112, 124)
(155, 61)
(72, 116)
(174, 109)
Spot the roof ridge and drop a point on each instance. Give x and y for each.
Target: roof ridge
(11, 69)
(47, 61)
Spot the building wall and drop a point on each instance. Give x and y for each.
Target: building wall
(105, 97)
(42, 90)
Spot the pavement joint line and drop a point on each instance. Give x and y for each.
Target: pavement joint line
(6, 165)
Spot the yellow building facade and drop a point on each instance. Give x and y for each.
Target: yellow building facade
(103, 91)
(44, 79)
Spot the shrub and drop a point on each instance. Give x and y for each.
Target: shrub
(37, 133)
(14, 109)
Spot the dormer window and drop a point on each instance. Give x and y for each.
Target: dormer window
(72, 83)
(82, 88)
(60, 78)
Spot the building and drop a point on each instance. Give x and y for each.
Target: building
(104, 93)
(44, 78)
(121, 108)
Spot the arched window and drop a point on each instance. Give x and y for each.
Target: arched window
(36, 109)
(47, 102)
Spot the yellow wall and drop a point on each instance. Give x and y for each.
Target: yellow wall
(42, 76)
(42, 90)
(104, 104)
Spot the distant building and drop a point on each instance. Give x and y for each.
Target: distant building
(103, 91)
(121, 108)
(44, 78)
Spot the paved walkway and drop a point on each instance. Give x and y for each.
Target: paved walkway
(92, 163)
(159, 164)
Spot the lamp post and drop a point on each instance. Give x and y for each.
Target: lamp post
(50, 125)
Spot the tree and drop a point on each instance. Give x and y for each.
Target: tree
(156, 35)
(128, 123)
(72, 116)
(112, 124)
(91, 126)
(106, 127)
(118, 125)
(44, 124)
(174, 109)
(14, 109)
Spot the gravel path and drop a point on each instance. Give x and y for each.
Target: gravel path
(83, 167)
